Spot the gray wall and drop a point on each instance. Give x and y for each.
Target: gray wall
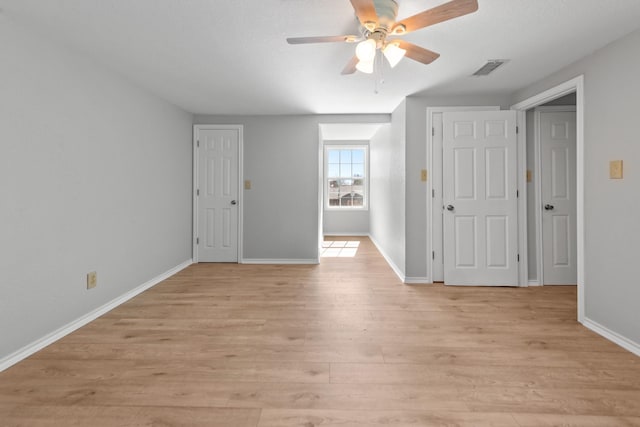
(388, 172)
(612, 228)
(341, 222)
(416, 160)
(349, 222)
(281, 212)
(95, 174)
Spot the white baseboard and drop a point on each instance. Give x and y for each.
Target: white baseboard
(612, 336)
(281, 261)
(392, 264)
(533, 283)
(417, 280)
(346, 234)
(54, 336)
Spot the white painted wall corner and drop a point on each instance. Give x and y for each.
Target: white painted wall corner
(54, 336)
(612, 336)
(392, 264)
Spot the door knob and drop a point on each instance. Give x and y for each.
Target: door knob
(233, 202)
(548, 207)
(450, 208)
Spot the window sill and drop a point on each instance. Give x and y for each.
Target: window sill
(332, 209)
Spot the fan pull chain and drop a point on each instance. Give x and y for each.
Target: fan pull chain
(378, 72)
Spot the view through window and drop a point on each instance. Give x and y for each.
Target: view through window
(346, 169)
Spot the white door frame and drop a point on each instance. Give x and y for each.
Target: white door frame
(240, 210)
(574, 85)
(431, 231)
(538, 183)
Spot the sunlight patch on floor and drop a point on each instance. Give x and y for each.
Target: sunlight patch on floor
(339, 248)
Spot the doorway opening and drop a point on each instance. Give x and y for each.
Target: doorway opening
(575, 85)
(551, 192)
(343, 186)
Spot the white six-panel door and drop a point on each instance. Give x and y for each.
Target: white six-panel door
(217, 237)
(557, 138)
(437, 252)
(480, 198)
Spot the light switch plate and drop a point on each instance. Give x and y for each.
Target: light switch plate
(423, 175)
(615, 169)
(92, 280)
(247, 184)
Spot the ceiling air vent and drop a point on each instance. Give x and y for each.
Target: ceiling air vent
(489, 67)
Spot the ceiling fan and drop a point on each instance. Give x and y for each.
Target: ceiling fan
(378, 21)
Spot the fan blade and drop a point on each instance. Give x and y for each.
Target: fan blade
(444, 12)
(417, 53)
(321, 39)
(365, 11)
(351, 66)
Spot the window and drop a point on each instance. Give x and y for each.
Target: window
(346, 177)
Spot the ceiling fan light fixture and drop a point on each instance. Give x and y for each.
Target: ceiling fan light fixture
(393, 53)
(366, 50)
(365, 66)
(399, 30)
(370, 26)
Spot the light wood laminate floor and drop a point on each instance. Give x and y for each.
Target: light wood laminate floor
(343, 343)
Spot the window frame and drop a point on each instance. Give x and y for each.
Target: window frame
(365, 201)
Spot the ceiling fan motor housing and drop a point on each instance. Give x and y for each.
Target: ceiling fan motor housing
(387, 11)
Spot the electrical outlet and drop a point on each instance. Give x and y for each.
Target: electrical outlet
(247, 184)
(423, 175)
(92, 280)
(615, 169)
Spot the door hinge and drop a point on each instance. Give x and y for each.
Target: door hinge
(518, 257)
(198, 143)
(198, 192)
(517, 194)
(433, 193)
(517, 129)
(197, 240)
(433, 255)
(433, 131)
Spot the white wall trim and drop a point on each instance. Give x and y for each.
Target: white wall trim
(523, 246)
(417, 281)
(280, 261)
(59, 333)
(341, 234)
(392, 264)
(612, 336)
(556, 108)
(555, 92)
(430, 168)
(533, 283)
(574, 85)
(240, 129)
(537, 181)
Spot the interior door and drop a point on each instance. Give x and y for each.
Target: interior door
(217, 239)
(557, 130)
(437, 246)
(480, 198)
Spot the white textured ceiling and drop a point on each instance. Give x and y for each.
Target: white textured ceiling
(230, 56)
